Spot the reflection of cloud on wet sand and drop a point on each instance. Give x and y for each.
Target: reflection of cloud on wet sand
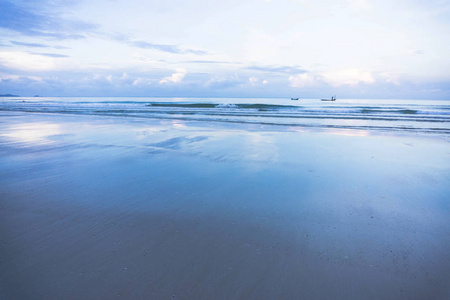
(260, 147)
(335, 131)
(178, 143)
(348, 132)
(32, 133)
(222, 146)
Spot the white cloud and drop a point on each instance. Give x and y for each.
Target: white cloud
(103, 78)
(26, 61)
(347, 77)
(391, 77)
(301, 80)
(125, 76)
(253, 80)
(141, 81)
(175, 77)
(224, 82)
(17, 78)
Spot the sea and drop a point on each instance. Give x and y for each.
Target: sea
(377, 115)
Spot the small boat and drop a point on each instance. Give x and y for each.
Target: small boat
(294, 98)
(333, 98)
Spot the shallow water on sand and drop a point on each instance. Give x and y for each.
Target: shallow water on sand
(102, 207)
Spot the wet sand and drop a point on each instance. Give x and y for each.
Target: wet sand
(108, 207)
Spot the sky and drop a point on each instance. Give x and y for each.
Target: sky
(235, 48)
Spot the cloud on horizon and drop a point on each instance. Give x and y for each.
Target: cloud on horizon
(351, 77)
(302, 80)
(224, 82)
(175, 77)
(183, 84)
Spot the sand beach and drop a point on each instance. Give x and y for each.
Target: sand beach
(99, 207)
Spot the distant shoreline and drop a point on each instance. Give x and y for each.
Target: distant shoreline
(9, 95)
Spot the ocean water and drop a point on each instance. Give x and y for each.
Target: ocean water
(407, 116)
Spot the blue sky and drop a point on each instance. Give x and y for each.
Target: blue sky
(245, 48)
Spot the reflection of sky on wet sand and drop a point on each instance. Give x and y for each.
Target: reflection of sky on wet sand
(320, 155)
(34, 133)
(221, 142)
(338, 202)
(187, 138)
(349, 132)
(226, 144)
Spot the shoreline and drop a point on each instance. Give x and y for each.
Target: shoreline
(253, 126)
(420, 117)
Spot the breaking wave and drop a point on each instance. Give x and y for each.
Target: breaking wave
(412, 116)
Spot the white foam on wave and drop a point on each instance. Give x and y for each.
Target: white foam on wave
(227, 105)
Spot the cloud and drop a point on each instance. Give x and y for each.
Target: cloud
(175, 77)
(347, 77)
(55, 55)
(19, 79)
(125, 76)
(147, 45)
(60, 47)
(223, 82)
(29, 44)
(253, 80)
(391, 77)
(41, 18)
(301, 80)
(165, 48)
(277, 69)
(141, 82)
(102, 78)
(36, 45)
(208, 62)
(26, 61)
(125, 39)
